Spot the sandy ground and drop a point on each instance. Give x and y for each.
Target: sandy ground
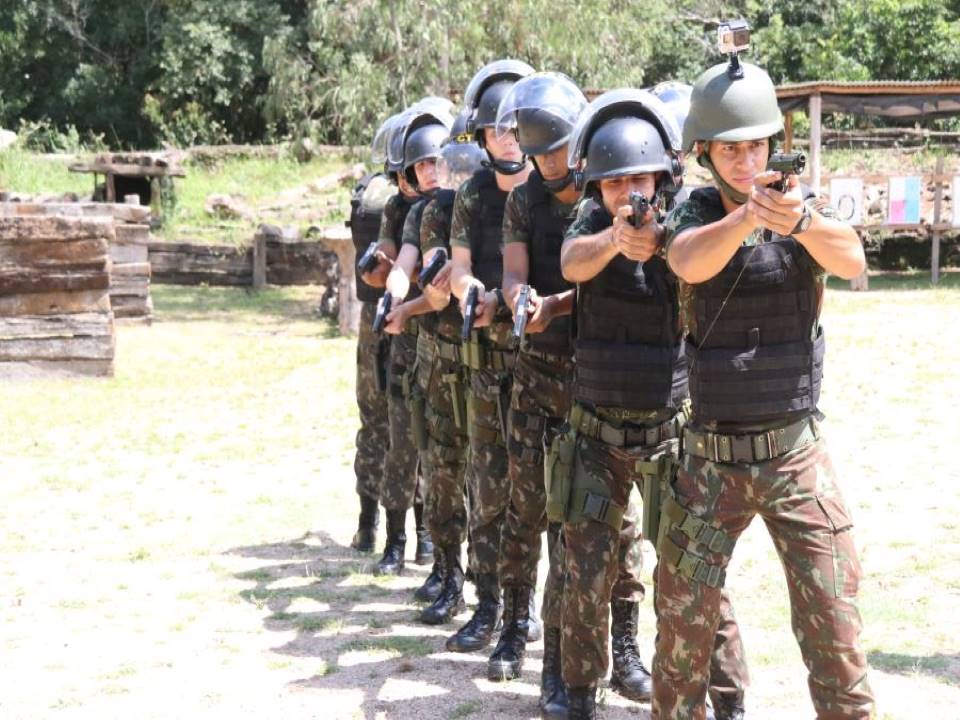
(173, 546)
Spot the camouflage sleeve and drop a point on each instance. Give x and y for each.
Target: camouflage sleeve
(516, 218)
(463, 207)
(818, 204)
(434, 228)
(587, 219)
(388, 224)
(684, 216)
(411, 226)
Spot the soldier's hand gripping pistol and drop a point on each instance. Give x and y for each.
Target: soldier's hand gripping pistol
(368, 261)
(787, 164)
(521, 316)
(640, 205)
(432, 268)
(383, 309)
(469, 311)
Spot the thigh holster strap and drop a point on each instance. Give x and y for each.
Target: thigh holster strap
(691, 565)
(697, 530)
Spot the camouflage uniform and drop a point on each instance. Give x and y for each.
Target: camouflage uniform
(441, 378)
(488, 397)
(400, 482)
(796, 494)
(609, 460)
(373, 437)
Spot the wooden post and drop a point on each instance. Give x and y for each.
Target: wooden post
(339, 240)
(788, 132)
(937, 204)
(815, 111)
(259, 259)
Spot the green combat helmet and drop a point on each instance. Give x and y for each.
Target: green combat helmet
(731, 102)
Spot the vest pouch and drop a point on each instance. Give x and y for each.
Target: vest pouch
(657, 473)
(558, 461)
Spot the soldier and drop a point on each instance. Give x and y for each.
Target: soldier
(476, 238)
(442, 380)
(753, 260)
(367, 205)
(630, 389)
(540, 111)
(400, 480)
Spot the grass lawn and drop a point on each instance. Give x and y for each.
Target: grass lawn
(173, 541)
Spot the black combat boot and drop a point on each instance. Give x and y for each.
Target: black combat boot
(478, 631)
(629, 677)
(534, 626)
(449, 603)
(728, 706)
(424, 544)
(553, 693)
(583, 703)
(506, 662)
(430, 590)
(392, 561)
(365, 538)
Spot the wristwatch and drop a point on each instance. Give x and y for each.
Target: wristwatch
(804, 222)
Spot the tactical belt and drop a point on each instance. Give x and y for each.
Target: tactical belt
(586, 423)
(477, 357)
(751, 447)
(549, 358)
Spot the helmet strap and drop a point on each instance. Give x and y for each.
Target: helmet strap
(554, 186)
(703, 159)
(504, 167)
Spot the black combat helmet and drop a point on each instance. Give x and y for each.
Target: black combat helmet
(542, 109)
(626, 132)
(482, 98)
(423, 143)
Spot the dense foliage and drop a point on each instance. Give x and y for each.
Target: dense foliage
(201, 71)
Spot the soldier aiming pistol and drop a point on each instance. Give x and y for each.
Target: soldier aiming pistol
(787, 164)
(432, 268)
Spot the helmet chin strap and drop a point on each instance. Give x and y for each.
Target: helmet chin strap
(557, 185)
(504, 167)
(738, 197)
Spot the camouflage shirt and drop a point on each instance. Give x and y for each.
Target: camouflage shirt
(394, 214)
(412, 223)
(435, 226)
(704, 207)
(518, 217)
(589, 218)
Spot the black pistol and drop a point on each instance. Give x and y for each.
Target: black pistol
(432, 268)
(521, 316)
(469, 312)
(788, 164)
(640, 205)
(383, 309)
(368, 261)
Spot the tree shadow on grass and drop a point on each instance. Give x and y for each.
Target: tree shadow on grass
(364, 633)
(181, 303)
(940, 666)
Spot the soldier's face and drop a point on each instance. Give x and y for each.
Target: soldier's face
(616, 191)
(739, 162)
(503, 147)
(426, 171)
(553, 165)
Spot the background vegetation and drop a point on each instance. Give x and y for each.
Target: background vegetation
(183, 72)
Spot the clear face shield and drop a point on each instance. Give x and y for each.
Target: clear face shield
(381, 141)
(457, 162)
(540, 110)
(412, 117)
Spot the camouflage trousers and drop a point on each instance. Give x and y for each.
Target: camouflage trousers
(400, 483)
(798, 498)
(488, 400)
(539, 403)
(444, 462)
(373, 437)
(592, 547)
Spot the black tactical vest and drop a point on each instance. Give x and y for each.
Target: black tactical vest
(448, 322)
(629, 348)
(545, 275)
(763, 357)
(486, 230)
(364, 228)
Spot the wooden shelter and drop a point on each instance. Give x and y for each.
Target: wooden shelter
(140, 174)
